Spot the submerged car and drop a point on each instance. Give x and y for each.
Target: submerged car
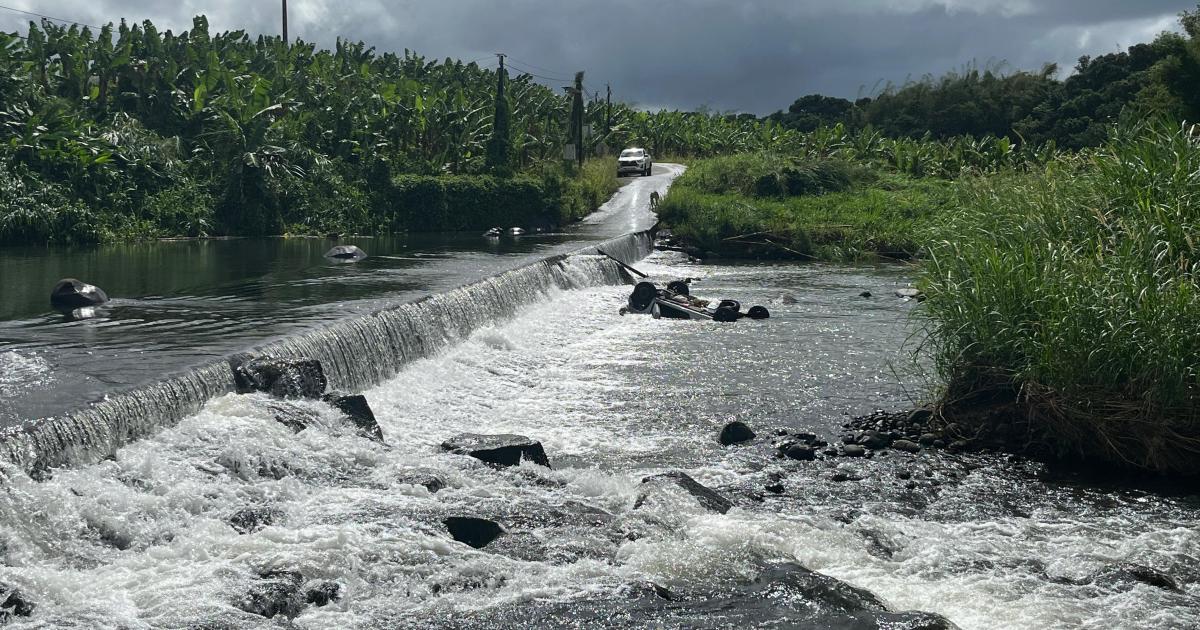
(634, 160)
(676, 302)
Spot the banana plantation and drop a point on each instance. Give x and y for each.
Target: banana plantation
(133, 133)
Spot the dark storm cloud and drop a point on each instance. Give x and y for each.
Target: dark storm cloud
(749, 56)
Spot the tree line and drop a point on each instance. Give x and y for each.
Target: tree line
(1161, 77)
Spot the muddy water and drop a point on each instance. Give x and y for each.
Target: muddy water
(143, 540)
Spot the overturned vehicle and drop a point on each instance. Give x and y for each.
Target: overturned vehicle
(676, 302)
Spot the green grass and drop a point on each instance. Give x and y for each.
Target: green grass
(766, 206)
(1075, 291)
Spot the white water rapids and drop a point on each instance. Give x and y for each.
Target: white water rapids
(142, 540)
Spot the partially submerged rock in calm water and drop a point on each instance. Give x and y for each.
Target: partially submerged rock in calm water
(498, 450)
(70, 294)
(708, 498)
(346, 253)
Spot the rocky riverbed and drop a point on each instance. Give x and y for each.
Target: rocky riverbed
(262, 511)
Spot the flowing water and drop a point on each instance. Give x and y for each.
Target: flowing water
(143, 538)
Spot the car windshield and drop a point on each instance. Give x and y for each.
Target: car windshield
(628, 153)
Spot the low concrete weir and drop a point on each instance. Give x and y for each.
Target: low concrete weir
(356, 353)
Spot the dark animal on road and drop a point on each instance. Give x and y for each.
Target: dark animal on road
(654, 199)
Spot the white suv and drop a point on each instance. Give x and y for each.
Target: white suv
(634, 161)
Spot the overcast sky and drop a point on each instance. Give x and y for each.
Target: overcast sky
(755, 55)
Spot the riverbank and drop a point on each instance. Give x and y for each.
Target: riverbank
(1062, 303)
(766, 206)
(35, 211)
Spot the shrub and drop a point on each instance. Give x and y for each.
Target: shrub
(35, 211)
(764, 175)
(185, 209)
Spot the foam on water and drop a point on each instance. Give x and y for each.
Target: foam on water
(142, 540)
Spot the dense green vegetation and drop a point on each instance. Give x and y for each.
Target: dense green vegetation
(1162, 76)
(134, 133)
(1071, 292)
(770, 206)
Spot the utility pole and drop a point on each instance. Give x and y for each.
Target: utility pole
(608, 112)
(499, 147)
(577, 117)
(285, 35)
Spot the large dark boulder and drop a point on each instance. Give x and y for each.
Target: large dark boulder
(784, 596)
(735, 432)
(356, 409)
(14, 603)
(348, 253)
(276, 593)
(282, 377)
(1127, 574)
(476, 532)
(498, 450)
(70, 294)
(708, 498)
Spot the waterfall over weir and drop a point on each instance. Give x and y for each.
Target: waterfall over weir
(355, 353)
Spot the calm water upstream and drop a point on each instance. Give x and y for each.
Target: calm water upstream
(177, 304)
(144, 539)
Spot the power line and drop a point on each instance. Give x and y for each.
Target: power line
(534, 74)
(47, 17)
(526, 63)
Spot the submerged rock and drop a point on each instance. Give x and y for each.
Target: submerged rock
(70, 294)
(498, 450)
(736, 432)
(276, 593)
(708, 498)
(422, 477)
(250, 519)
(321, 592)
(854, 450)
(801, 452)
(14, 603)
(357, 410)
(476, 532)
(874, 440)
(292, 416)
(1127, 573)
(349, 253)
(281, 377)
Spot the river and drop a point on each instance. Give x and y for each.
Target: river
(143, 539)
